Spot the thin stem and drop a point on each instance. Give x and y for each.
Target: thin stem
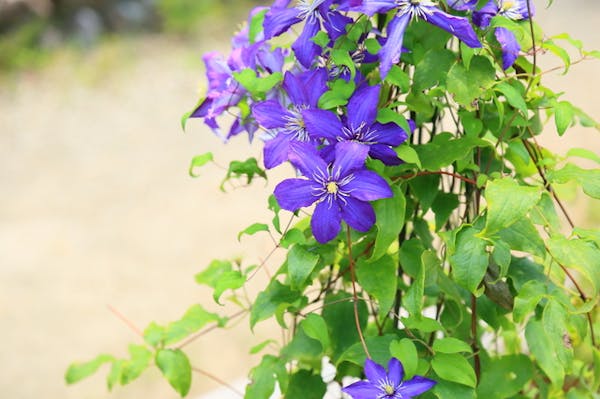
(474, 345)
(194, 337)
(437, 172)
(354, 294)
(533, 48)
(219, 381)
(125, 320)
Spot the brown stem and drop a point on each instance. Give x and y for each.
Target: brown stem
(474, 345)
(354, 294)
(219, 381)
(436, 172)
(192, 338)
(125, 320)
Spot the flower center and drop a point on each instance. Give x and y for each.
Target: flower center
(308, 7)
(332, 187)
(362, 134)
(389, 390)
(416, 8)
(507, 5)
(295, 125)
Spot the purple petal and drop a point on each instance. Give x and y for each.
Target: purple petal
(416, 386)
(349, 156)
(463, 5)
(362, 106)
(385, 154)
(483, 16)
(323, 124)
(304, 157)
(395, 371)
(391, 50)
(362, 390)
(374, 372)
(389, 134)
(358, 214)
(335, 23)
(368, 186)
(293, 194)
(270, 114)
(278, 20)
(305, 49)
(275, 151)
(315, 84)
(325, 222)
(294, 88)
(510, 46)
(369, 7)
(458, 26)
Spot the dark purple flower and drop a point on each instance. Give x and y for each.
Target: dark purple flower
(285, 123)
(407, 10)
(359, 126)
(382, 385)
(462, 5)
(314, 13)
(341, 189)
(516, 10)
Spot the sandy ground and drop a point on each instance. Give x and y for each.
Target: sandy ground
(97, 208)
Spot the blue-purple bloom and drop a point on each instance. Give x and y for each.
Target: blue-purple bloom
(360, 126)
(382, 385)
(407, 10)
(514, 9)
(342, 189)
(280, 18)
(286, 122)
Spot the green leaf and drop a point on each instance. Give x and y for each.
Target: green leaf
(450, 390)
(253, 229)
(256, 85)
(248, 168)
(379, 348)
(257, 348)
(408, 154)
(410, 256)
(539, 344)
(378, 278)
(530, 294)
(469, 258)
(140, 358)
(339, 316)
(263, 377)
(338, 94)
(406, 351)
(454, 367)
(315, 327)
(554, 320)
(558, 51)
(175, 367)
(399, 78)
(78, 371)
(304, 384)
(513, 96)
(413, 299)
(443, 205)
(504, 377)
(507, 202)
(220, 276)
(276, 298)
(114, 376)
(468, 85)
(300, 263)
(256, 25)
(589, 179)
(184, 119)
(583, 153)
(451, 345)
(193, 320)
(502, 256)
(445, 149)
(523, 236)
(579, 255)
(433, 69)
(390, 214)
(563, 116)
(198, 161)
(387, 115)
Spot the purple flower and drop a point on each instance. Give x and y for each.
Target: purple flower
(313, 12)
(341, 189)
(516, 10)
(406, 10)
(359, 126)
(382, 385)
(286, 123)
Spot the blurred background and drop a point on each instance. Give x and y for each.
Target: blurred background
(97, 208)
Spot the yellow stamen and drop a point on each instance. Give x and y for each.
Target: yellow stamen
(507, 5)
(332, 187)
(388, 389)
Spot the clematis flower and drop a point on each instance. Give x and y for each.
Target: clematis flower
(280, 18)
(285, 122)
(516, 10)
(407, 10)
(359, 126)
(341, 189)
(382, 385)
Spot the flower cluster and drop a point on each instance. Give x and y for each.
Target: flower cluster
(318, 103)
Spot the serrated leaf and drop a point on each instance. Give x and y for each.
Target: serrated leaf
(507, 202)
(175, 367)
(78, 371)
(454, 367)
(198, 161)
(406, 351)
(379, 279)
(469, 258)
(253, 229)
(451, 345)
(390, 213)
(300, 263)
